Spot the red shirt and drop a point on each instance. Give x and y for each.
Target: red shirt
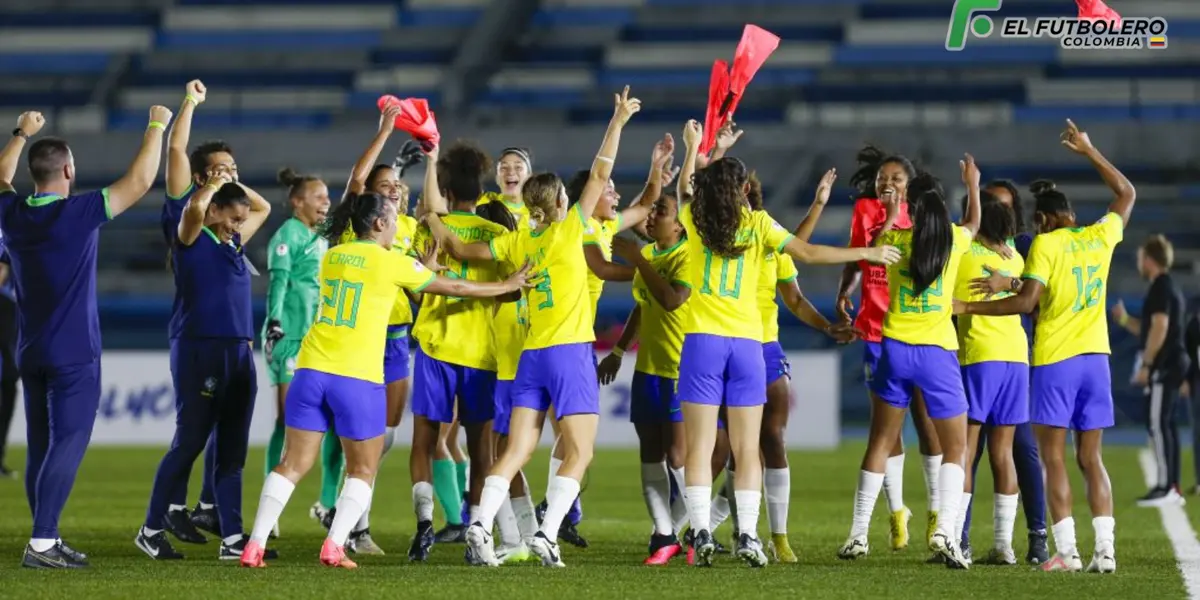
(865, 225)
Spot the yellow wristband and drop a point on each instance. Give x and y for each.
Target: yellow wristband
(192, 99)
(212, 186)
(157, 125)
(1123, 321)
(618, 351)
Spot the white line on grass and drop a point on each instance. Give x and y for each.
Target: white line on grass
(1179, 531)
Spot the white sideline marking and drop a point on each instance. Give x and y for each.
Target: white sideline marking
(1179, 531)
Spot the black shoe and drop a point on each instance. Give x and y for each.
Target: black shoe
(327, 520)
(750, 550)
(569, 534)
(234, 551)
(422, 541)
(73, 553)
(156, 546)
(179, 524)
(451, 534)
(206, 519)
(54, 558)
(539, 511)
(705, 547)
(658, 542)
(7, 473)
(1038, 553)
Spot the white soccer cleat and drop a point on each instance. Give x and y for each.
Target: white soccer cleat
(514, 554)
(1104, 560)
(1068, 564)
(855, 547)
(950, 551)
(480, 542)
(546, 550)
(1001, 556)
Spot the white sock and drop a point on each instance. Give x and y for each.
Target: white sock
(175, 507)
(961, 522)
(699, 503)
(526, 517)
(276, 491)
(422, 498)
(950, 492)
(506, 522)
(777, 484)
(1105, 534)
(865, 496)
(1064, 537)
(233, 539)
(204, 506)
(1005, 518)
(495, 491)
(893, 482)
(473, 512)
(932, 466)
(727, 491)
(720, 509)
(748, 502)
(355, 498)
(43, 544)
(389, 438)
(554, 466)
(364, 522)
(679, 512)
(656, 491)
(560, 494)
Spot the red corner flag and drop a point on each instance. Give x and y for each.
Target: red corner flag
(727, 86)
(415, 118)
(1097, 10)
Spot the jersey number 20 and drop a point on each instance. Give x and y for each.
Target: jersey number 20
(343, 298)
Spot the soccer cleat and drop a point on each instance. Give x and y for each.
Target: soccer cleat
(327, 518)
(750, 549)
(334, 555)
(1161, 497)
(451, 534)
(900, 528)
(721, 549)
(854, 548)
(705, 547)
(156, 546)
(479, 544)
(234, 551)
(422, 541)
(1039, 551)
(936, 559)
(931, 528)
(514, 554)
(1058, 562)
(54, 558)
(966, 552)
(1001, 556)
(781, 549)
(545, 549)
(252, 555)
(205, 519)
(179, 524)
(360, 542)
(950, 551)
(662, 549)
(569, 534)
(1104, 560)
(688, 537)
(317, 513)
(539, 511)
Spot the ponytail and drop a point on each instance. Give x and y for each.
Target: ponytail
(497, 213)
(932, 233)
(356, 215)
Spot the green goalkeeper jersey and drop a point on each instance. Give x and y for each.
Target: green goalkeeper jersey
(294, 263)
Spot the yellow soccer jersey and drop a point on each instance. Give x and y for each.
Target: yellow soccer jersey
(724, 297)
(558, 310)
(600, 233)
(406, 231)
(509, 329)
(518, 209)
(1073, 264)
(359, 281)
(458, 330)
(984, 339)
(776, 269)
(922, 320)
(660, 332)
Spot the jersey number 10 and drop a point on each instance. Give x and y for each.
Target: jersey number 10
(1088, 288)
(724, 289)
(343, 298)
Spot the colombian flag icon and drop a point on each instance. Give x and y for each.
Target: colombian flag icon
(1158, 42)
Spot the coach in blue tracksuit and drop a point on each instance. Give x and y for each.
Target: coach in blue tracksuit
(51, 238)
(212, 363)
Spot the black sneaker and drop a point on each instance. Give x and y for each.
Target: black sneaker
(156, 546)
(179, 524)
(1160, 496)
(539, 511)
(73, 553)
(422, 541)
(206, 519)
(569, 534)
(54, 558)
(1038, 551)
(451, 534)
(705, 547)
(234, 551)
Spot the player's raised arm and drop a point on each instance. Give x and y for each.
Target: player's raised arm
(131, 187)
(970, 178)
(28, 124)
(1125, 194)
(660, 168)
(805, 229)
(465, 288)
(602, 166)
(362, 168)
(815, 254)
(693, 133)
(179, 168)
(192, 221)
(260, 210)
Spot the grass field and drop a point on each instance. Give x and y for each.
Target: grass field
(110, 499)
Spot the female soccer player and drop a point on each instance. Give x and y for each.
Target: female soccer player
(455, 366)
(339, 375)
(514, 166)
(722, 360)
(661, 293)
(919, 346)
(212, 363)
(994, 355)
(557, 363)
(1064, 280)
(882, 179)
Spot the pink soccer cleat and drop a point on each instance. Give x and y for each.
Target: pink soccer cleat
(334, 555)
(252, 555)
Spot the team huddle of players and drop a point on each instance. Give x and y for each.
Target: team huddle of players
(507, 286)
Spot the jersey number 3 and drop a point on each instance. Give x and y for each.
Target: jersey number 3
(342, 300)
(1088, 288)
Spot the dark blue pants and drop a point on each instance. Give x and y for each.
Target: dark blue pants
(60, 412)
(215, 387)
(1029, 477)
(207, 494)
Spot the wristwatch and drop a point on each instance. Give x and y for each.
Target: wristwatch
(1015, 284)
(18, 131)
